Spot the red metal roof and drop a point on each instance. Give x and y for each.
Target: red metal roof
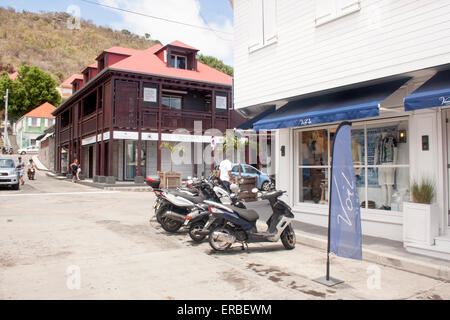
(43, 111)
(13, 76)
(120, 50)
(92, 66)
(146, 61)
(181, 44)
(68, 81)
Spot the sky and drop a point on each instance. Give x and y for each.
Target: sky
(215, 16)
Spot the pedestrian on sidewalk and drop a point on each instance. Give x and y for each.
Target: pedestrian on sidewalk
(74, 167)
(20, 169)
(225, 172)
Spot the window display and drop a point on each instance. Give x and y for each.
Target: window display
(380, 159)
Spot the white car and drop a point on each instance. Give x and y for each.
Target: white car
(29, 149)
(8, 173)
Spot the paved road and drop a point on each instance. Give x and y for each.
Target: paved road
(55, 233)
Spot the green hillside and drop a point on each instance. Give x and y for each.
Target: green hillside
(44, 40)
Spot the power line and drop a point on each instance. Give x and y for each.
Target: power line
(158, 18)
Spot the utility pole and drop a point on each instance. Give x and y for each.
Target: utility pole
(6, 119)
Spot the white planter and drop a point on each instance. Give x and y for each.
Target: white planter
(420, 223)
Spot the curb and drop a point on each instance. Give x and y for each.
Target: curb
(403, 263)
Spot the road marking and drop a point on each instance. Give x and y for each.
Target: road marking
(56, 193)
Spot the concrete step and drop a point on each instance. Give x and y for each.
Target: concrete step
(443, 242)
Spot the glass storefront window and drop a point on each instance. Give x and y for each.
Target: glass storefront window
(313, 186)
(313, 148)
(380, 154)
(131, 159)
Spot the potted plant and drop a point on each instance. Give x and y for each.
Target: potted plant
(421, 216)
(170, 179)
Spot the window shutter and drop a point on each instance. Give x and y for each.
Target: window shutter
(38, 122)
(348, 6)
(270, 20)
(46, 122)
(256, 24)
(30, 122)
(325, 11)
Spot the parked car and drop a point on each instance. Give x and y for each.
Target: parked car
(263, 180)
(29, 149)
(8, 174)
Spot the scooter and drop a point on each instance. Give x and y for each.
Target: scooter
(172, 206)
(239, 225)
(31, 173)
(201, 224)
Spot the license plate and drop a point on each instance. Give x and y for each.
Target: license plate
(156, 206)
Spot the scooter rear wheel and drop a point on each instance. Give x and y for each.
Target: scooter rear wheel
(217, 244)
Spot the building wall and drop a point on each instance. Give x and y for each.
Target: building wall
(47, 153)
(381, 39)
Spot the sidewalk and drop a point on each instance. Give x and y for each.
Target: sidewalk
(118, 186)
(378, 250)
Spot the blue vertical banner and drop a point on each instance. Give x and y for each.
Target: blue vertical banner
(345, 216)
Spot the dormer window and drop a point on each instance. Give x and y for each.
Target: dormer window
(177, 61)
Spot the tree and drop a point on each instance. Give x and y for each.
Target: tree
(172, 149)
(32, 88)
(216, 64)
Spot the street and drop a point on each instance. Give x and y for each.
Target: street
(62, 240)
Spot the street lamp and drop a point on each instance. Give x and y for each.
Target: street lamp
(6, 119)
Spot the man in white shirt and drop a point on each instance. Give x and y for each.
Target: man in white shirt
(225, 172)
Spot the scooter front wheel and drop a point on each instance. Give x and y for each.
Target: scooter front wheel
(288, 238)
(216, 243)
(197, 226)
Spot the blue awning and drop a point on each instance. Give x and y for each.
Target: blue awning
(433, 93)
(249, 124)
(348, 104)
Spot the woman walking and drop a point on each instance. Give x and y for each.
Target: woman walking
(74, 167)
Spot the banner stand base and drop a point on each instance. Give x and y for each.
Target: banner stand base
(329, 283)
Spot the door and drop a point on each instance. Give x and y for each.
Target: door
(91, 161)
(131, 159)
(447, 147)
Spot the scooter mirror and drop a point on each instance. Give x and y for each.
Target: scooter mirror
(255, 190)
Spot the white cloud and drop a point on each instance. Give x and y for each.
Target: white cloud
(186, 11)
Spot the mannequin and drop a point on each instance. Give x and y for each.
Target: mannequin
(386, 154)
(356, 157)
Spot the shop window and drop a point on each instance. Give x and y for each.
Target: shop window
(173, 102)
(380, 159)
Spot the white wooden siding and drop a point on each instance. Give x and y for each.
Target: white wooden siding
(383, 38)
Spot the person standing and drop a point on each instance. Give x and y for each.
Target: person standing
(225, 172)
(20, 169)
(74, 167)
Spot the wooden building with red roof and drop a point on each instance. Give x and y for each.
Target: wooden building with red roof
(130, 101)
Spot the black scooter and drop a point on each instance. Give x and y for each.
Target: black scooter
(239, 225)
(201, 223)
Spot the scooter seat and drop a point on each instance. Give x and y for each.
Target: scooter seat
(194, 199)
(248, 214)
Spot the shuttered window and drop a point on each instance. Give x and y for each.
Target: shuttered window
(262, 23)
(328, 10)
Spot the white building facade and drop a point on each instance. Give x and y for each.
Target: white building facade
(310, 57)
